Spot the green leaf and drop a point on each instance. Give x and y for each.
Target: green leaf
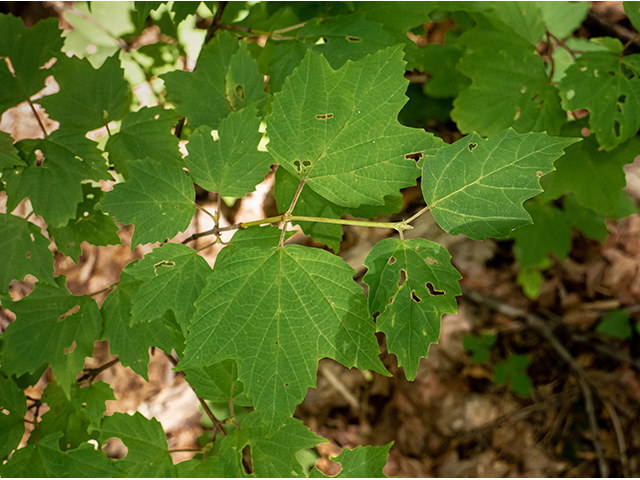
(549, 233)
(514, 370)
(8, 153)
(90, 225)
(157, 198)
(478, 346)
(28, 50)
(228, 75)
(131, 342)
(346, 37)
(145, 133)
(173, 276)
(588, 221)
(594, 176)
(632, 9)
(361, 462)
(38, 330)
(76, 417)
(593, 82)
(46, 460)
(218, 383)
(615, 324)
(476, 187)
(332, 128)
(24, 251)
(263, 237)
(143, 9)
(54, 186)
(13, 401)
(563, 18)
(440, 62)
(147, 450)
(88, 98)
(412, 284)
(517, 93)
(524, 18)
(277, 312)
(530, 280)
(231, 166)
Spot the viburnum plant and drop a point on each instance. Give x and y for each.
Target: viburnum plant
(325, 83)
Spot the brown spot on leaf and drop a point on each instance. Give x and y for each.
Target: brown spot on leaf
(325, 116)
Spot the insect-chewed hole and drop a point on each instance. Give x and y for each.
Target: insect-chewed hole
(392, 260)
(39, 157)
(622, 98)
(403, 277)
(297, 165)
(432, 290)
(471, 146)
(325, 116)
(247, 463)
(616, 128)
(611, 73)
(414, 156)
(306, 163)
(353, 39)
(240, 92)
(414, 297)
(115, 448)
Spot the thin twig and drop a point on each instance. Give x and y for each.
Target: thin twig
(216, 24)
(33, 109)
(285, 218)
(91, 373)
(622, 446)
(340, 387)
(113, 285)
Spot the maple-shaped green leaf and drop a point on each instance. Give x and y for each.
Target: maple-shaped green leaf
(226, 80)
(517, 93)
(158, 199)
(588, 221)
(76, 417)
(549, 233)
(39, 331)
(277, 312)
(173, 276)
(23, 250)
(310, 204)
(8, 154)
(362, 462)
(440, 62)
(131, 342)
(90, 225)
(232, 165)
(339, 130)
(45, 459)
(608, 86)
(594, 176)
(28, 50)
(524, 18)
(147, 450)
(412, 284)
(476, 186)
(145, 133)
(14, 403)
(218, 383)
(56, 166)
(88, 98)
(264, 237)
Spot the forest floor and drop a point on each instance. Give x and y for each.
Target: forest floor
(454, 420)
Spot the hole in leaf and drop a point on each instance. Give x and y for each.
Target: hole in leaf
(85, 214)
(626, 72)
(10, 66)
(114, 448)
(392, 260)
(297, 165)
(472, 146)
(353, 39)
(431, 261)
(32, 237)
(414, 297)
(432, 290)
(611, 73)
(70, 349)
(616, 128)
(325, 116)
(403, 277)
(39, 157)
(240, 92)
(247, 464)
(306, 163)
(414, 156)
